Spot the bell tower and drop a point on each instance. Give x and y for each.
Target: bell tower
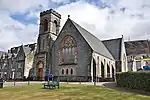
(48, 29)
(48, 32)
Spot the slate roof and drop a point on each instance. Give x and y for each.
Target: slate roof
(137, 47)
(114, 47)
(93, 41)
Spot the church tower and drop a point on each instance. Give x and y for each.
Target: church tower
(48, 32)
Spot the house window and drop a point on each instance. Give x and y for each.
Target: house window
(68, 51)
(71, 71)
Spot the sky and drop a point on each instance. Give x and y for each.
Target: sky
(106, 19)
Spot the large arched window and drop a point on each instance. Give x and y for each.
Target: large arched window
(45, 25)
(68, 51)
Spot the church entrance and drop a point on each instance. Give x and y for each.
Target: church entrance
(40, 67)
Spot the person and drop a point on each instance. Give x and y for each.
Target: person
(50, 77)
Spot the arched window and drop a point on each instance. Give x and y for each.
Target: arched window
(45, 25)
(68, 51)
(62, 71)
(56, 30)
(71, 71)
(108, 71)
(66, 71)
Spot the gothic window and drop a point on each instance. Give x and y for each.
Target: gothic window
(108, 71)
(68, 51)
(66, 71)
(45, 25)
(71, 71)
(43, 45)
(55, 27)
(62, 71)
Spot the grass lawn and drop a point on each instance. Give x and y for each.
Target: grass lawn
(66, 92)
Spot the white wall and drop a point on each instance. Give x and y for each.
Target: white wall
(28, 64)
(107, 61)
(124, 67)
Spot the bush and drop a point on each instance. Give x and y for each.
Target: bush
(134, 80)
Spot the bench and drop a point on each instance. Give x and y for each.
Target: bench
(51, 84)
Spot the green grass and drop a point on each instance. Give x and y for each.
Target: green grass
(66, 92)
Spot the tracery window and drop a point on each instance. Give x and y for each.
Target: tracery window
(68, 51)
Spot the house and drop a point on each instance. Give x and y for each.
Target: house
(22, 60)
(138, 54)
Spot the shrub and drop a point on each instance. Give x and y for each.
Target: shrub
(134, 80)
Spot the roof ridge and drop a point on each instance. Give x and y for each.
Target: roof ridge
(94, 42)
(86, 30)
(112, 39)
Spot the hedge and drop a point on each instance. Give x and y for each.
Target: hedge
(134, 80)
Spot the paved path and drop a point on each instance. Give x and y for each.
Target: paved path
(106, 84)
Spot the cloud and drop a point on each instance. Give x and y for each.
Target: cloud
(116, 18)
(22, 6)
(13, 33)
(61, 1)
(119, 17)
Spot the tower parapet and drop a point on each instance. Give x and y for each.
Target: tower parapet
(49, 12)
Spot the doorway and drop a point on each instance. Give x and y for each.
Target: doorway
(40, 67)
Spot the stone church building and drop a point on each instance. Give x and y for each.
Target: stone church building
(73, 53)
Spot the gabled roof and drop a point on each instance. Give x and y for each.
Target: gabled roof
(137, 47)
(93, 41)
(114, 47)
(28, 49)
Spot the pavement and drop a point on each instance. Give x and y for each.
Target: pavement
(105, 84)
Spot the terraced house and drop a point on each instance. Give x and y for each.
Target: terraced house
(72, 53)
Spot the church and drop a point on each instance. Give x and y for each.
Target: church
(72, 53)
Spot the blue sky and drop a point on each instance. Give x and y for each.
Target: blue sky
(23, 17)
(106, 19)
